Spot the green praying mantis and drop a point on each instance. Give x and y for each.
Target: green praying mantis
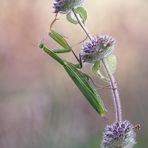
(80, 79)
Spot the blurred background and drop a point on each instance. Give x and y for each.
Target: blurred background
(40, 107)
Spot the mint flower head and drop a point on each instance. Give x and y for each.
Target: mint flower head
(64, 6)
(119, 135)
(97, 48)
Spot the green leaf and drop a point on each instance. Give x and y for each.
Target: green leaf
(71, 18)
(59, 39)
(112, 63)
(96, 71)
(82, 12)
(96, 67)
(62, 50)
(85, 87)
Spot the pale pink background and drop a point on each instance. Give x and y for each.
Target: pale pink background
(39, 104)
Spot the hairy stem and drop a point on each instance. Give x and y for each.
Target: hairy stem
(82, 24)
(115, 93)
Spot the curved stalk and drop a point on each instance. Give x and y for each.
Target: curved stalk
(114, 89)
(115, 93)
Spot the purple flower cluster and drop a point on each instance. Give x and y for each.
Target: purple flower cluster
(96, 49)
(64, 6)
(119, 135)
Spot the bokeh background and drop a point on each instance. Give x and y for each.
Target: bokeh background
(40, 107)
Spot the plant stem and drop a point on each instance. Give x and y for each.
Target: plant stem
(115, 93)
(82, 24)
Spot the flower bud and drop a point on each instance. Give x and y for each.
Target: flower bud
(64, 6)
(119, 135)
(96, 49)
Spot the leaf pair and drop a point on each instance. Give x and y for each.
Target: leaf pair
(112, 64)
(80, 11)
